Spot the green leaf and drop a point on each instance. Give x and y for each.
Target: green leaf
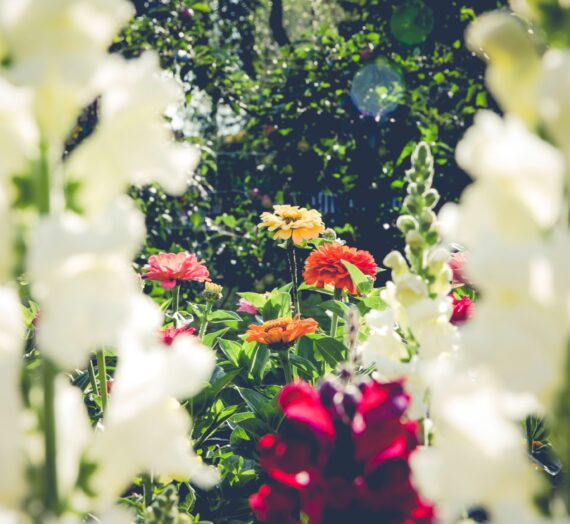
(231, 349)
(259, 404)
(336, 306)
(211, 338)
(223, 316)
(259, 363)
(278, 305)
(331, 349)
(360, 280)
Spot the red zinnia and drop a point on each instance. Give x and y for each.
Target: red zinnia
(169, 268)
(324, 266)
(169, 334)
(462, 310)
(341, 455)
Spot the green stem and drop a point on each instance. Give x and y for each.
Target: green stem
(176, 298)
(292, 259)
(334, 319)
(51, 497)
(92, 378)
(102, 369)
(204, 323)
(147, 489)
(43, 189)
(286, 363)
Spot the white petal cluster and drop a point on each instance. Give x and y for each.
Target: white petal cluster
(12, 452)
(143, 415)
(55, 62)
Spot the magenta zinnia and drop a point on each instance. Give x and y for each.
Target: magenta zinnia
(172, 268)
(340, 456)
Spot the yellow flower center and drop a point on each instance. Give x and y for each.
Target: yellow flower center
(290, 215)
(279, 323)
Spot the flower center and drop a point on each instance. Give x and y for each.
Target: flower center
(279, 323)
(292, 214)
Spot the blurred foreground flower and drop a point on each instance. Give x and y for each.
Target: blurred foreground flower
(293, 222)
(172, 268)
(325, 266)
(281, 333)
(341, 456)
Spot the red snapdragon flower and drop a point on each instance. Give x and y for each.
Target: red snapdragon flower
(170, 268)
(341, 455)
(168, 335)
(462, 310)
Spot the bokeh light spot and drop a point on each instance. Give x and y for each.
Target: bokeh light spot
(412, 22)
(377, 90)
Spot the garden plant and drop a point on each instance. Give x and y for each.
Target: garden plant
(306, 377)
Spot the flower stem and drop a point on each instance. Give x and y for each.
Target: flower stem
(92, 378)
(292, 259)
(175, 298)
(204, 323)
(334, 319)
(286, 363)
(147, 489)
(102, 369)
(51, 496)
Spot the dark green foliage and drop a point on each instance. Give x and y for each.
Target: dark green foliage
(301, 138)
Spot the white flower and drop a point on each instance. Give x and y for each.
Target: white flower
(73, 433)
(145, 429)
(505, 158)
(57, 47)
(478, 458)
(523, 344)
(6, 238)
(18, 133)
(132, 145)
(554, 105)
(83, 281)
(12, 473)
(514, 65)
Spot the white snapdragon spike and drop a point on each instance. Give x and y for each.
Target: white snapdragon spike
(131, 145)
(554, 103)
(6, 238)
(12, 473)
(56, 48)
(478, 459)
(83, 280)
(514, 63)
(73, 434)
(505, 158)
(145, 429)
(19, 137)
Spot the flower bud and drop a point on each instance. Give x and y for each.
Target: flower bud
(414, 240)
(329, 234)
(406, 223)
(431, 198)
(212, 292)
(397, 263)
(427, 218)
(437, 258)
(413, 204)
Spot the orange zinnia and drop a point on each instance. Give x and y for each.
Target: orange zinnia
(281, 333)
(324, 266)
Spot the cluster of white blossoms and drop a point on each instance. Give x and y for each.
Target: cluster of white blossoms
(513, 221)
(55, 62)
(414, 332)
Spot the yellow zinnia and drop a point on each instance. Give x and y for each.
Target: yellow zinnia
(293, 222)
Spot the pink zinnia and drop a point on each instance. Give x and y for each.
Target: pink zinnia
(169, 268)
(245, 306)
(168, 335)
